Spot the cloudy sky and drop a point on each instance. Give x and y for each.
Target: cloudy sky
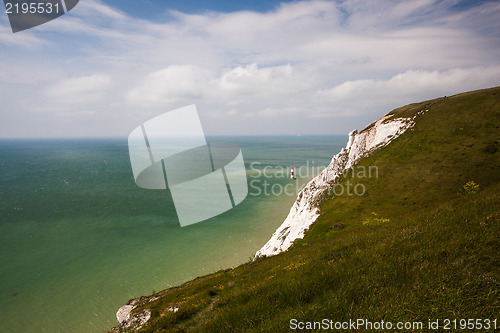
(251, 66)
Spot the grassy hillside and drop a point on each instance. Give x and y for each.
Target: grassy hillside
(416, 246)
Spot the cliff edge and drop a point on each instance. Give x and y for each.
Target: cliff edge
(305, 210)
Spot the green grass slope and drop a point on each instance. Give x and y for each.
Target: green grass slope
(415, 246)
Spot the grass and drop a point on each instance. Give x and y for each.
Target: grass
(418, 245)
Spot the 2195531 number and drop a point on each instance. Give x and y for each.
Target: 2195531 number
(469, 324)
(33, 8)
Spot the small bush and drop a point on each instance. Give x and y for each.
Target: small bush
(470, 188)
(375, 220)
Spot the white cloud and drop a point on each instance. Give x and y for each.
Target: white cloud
(362, 96)
(275, 112)
(77, 90)
(249, 72)
(171, 85)
(81, 96)
(251, 82)
(26, 40)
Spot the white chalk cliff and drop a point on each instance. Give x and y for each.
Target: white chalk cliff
(305, 210)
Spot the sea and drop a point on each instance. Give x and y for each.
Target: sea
(78, 237)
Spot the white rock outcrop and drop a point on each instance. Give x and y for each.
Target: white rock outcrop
(305, 209)
(133, 321)
(123, 313)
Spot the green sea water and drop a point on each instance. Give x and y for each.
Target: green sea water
(78, 238)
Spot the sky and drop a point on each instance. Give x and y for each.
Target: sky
(252, 67)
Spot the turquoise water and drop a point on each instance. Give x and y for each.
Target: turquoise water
(78, 238)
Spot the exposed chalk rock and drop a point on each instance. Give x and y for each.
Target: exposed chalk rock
(305, 210)
(123, 313)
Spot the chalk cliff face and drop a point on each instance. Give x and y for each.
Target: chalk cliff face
(305, 210)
